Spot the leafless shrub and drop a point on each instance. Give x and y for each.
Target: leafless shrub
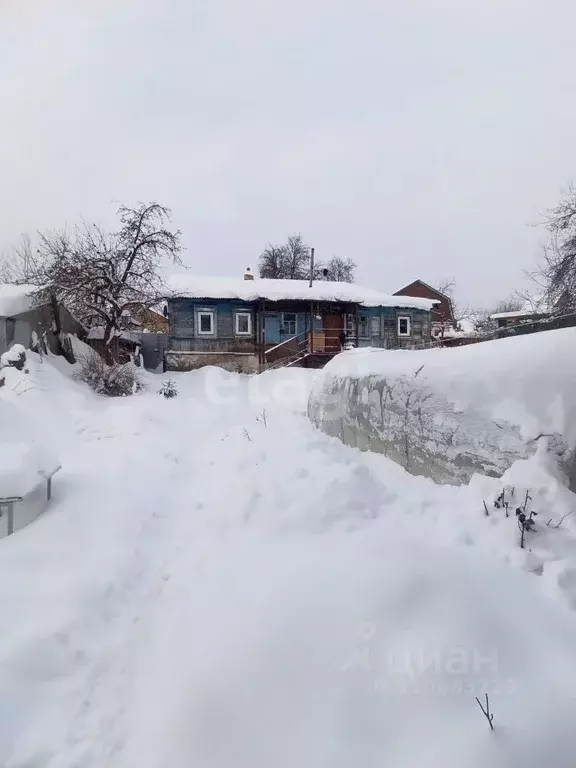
(487, 714)
(114, 380)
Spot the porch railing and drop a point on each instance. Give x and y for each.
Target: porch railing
(295, 348)
(291, 349)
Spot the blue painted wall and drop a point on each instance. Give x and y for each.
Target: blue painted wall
(378, 326)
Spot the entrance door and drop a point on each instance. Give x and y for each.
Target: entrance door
(271, 328)
(333, 326)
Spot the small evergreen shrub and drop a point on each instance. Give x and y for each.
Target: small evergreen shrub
(169, 389)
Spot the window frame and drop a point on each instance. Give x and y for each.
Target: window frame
(211, 313)
(363, 327)
(237, 316)
(283, 325)
(375, 326)
(408, 325)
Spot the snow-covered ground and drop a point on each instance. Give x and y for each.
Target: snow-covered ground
(218, 584)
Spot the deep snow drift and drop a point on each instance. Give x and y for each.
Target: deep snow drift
(449, 413)
(218, 584)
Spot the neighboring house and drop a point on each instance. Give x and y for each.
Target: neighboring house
(27, 321)
(252, 324)
(144, 332)
(521, 316)
(442, 312)
(122, 348)
(147, 320)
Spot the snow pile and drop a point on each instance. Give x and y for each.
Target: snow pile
(448, 413)
(16, 299)
(25, 460)
(278, 290)
(23, 467)
(223, 585)
(15, 356)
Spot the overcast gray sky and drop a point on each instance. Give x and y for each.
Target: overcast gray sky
(420, 137)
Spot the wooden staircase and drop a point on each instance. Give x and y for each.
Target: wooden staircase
(306, 349)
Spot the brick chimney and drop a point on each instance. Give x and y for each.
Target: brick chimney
(248, 274)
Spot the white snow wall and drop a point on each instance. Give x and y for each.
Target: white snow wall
(448, 413)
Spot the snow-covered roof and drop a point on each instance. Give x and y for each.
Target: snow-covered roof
(517, 313)
(193, 287)
(15, 299)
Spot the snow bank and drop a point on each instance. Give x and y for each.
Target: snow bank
(223, 585)
(26, 462)
(24, 466)
(276, 290)
(359, 651)
(448, 413)
(16, 299)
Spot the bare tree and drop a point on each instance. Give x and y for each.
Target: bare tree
(459, 312)
(447, 287)
(482, 318)
(557, 274)
(286, 262)
(509, 304)
(102, 277)
(298, 258)
(17, 265)
(273, 262)
(341, 269)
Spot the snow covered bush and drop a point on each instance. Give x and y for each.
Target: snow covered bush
(15, 357)
(169, 389)
(116, 380)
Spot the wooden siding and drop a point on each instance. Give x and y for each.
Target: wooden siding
(210, 344)
(442, 312)
(387, 334)
(384, 333)
(183, 314)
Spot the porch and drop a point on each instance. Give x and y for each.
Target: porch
(303, 335)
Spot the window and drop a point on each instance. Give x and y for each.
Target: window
(206, 322)
(288, 324)
(403, 326)
(375, 326)
(350, 326)
(243, 324)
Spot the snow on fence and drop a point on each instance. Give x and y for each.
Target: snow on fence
(26, 471)
(448, 413)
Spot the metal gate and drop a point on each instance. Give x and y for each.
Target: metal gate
(153, 347)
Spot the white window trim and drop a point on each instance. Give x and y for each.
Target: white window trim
(212, 331)
(408, 319)
(375, 325)
(237, 327)
(283, 322)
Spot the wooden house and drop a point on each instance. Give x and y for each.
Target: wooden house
(520, 317)
(443, 310)
(253, 324)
